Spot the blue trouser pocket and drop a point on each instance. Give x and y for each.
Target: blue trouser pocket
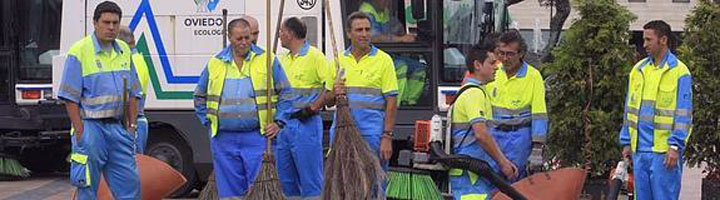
(79, 173)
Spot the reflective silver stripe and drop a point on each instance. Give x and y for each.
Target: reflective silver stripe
(682, 126)
(682, 112)
(462, 125)
(539, 116)
(539, 139)
(264, 106)
(231, 102)
(239, 115)
(377, 106)
(212, 111)
(660, 126)
(199, 92)
(632, 124)
(364, 90)
(632, 110)
(232, 198)
(99, 114)
(70, 90)
(262, 93)
(647, 118)
(649, 103)
(200, 100)
(306, 91)
(664, 113)
(101, 100)
(300, 104)
(505, 111)
(214, 98)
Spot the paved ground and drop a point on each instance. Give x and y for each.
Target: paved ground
(56, 187)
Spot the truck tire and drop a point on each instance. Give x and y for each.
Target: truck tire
(165, 144)
(46, 160)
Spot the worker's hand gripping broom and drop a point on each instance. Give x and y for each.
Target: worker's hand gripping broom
(267, 183)
(352, 169)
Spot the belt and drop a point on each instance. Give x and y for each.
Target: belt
(512, 127)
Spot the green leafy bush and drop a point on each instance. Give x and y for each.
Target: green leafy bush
(701, 52)
(586, 87)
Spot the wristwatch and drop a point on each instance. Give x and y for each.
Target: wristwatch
(133, 126)
(387, 134)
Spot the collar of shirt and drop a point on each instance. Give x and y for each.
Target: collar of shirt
(373, 50)
(668, 59)
(98, 48)
(304, 50)
(472, 80)
(226, 55)
(521, 73)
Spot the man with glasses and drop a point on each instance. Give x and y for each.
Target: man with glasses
(518, 103)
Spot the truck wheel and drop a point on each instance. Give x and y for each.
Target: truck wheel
(164, 144)
(45, 160)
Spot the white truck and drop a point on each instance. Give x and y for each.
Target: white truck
(177, 37)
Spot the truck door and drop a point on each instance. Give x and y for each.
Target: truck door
(6, 52)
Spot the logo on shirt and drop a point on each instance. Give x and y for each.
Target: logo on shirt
(515, 102)
(306, 4)
(494, 92)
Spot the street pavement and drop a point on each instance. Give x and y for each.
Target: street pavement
(56, 187)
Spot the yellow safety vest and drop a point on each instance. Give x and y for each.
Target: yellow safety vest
(142, 71)
(662, 96)
(258, 76)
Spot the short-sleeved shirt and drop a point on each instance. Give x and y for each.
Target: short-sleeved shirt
(369, 81)
(308, 73)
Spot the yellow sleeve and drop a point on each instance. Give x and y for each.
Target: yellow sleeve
(472, 105)
(389, 78)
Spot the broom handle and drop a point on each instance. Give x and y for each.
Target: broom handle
(268, 118)
(334, 42)
(277, 28)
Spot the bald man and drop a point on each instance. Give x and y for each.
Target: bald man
(126, 35)
(254, 28)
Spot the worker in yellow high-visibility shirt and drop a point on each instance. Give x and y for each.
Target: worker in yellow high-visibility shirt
(471, 115)
(141, 68)
(299, 146)
(658, 116)
(518, 99)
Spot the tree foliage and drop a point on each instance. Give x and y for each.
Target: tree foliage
(701, 52)
(586, 87)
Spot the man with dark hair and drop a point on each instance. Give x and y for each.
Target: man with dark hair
(299, 146)
(518, 99)
(369, 82)
(231, 101)
(658, 117)
(470, 115)
(490, 42)
(98, 73)
(141, 68)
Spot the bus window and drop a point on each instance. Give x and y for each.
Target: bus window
(392, 20)
(465, 23)
(413, 80)
(38, 38)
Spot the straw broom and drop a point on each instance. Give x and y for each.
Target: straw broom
(267, 183)
(352, 170)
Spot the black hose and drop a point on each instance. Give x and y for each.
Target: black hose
(477, 166)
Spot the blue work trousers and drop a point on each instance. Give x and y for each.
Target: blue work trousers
(237, 159)
(516, 145)
(111, 154)
(653, 180)
(142, 135)
(464, 189)
(300, 158)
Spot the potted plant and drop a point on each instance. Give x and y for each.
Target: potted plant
(701, 52)
(586, 86)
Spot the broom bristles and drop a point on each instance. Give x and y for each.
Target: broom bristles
(209, 192)
(11, 169)
(267, 183)
(353, 170)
